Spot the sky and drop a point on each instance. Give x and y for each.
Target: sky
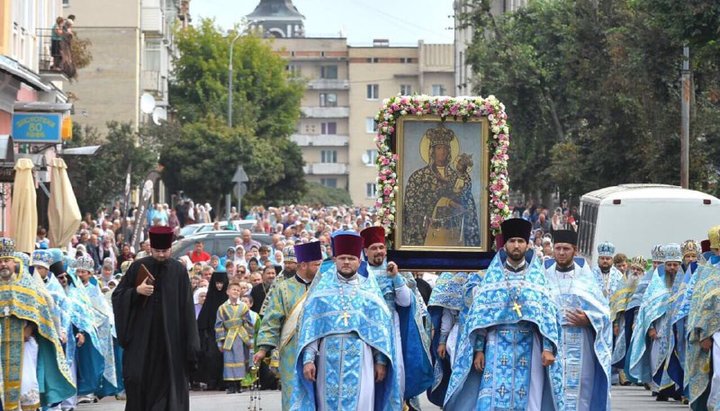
(361, 21)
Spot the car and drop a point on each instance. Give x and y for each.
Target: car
(191, 229)
(215, 242)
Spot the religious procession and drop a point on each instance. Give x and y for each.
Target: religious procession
(209, 205)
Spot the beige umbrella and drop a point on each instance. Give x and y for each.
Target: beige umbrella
(24, 220)
(63, 211)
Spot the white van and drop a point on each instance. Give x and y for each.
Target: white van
(635, 217)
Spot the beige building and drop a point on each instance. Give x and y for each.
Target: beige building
(132, 46)
(379, 72)
(463, 38)
(323, 130)
(345, 89)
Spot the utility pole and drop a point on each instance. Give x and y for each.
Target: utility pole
(685, 120)
(229, 114)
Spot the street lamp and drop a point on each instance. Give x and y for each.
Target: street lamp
(230, 79)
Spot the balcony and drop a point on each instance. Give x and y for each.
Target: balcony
(328, 84)
(320, 140)
(326, 169)
(153, 19)
(326, 112)
(150, 80)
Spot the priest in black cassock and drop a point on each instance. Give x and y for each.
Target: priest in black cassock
(156, 327)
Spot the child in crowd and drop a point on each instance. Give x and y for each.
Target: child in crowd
(234, 332)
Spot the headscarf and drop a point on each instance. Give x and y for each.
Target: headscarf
(213, 300)
(196, 300)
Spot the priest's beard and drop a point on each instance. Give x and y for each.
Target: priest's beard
(633, 281)
(5, 274)
(347, 273)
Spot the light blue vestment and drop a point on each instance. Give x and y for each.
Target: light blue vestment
(586, 351)
(513, 346)
(346, 321)
(647, 358)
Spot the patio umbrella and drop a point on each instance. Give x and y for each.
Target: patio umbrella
(63, 211)
(23, 217)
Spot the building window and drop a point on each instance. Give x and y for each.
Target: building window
(370, 125)
(328, 156)
(328, 100)
(329, 182)
(373, 91)
(329, 128)
(371, 190)
(66, 3)
(309, 128)
(152, 55)
(373, 60)
(293, 70)
(438, 90)
(329, 72)
(405, 89)
(370, 157)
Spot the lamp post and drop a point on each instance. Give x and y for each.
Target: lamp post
(230, 79)
(229, 116)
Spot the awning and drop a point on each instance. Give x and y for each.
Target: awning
(23, 74)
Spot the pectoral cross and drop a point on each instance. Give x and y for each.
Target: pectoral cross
(517, 308)
(345, 317)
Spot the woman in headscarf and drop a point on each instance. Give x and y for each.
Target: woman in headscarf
(199, 299)
(210, 362)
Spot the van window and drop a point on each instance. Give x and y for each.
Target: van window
(588, 222)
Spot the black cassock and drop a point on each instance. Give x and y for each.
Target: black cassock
(159, 335)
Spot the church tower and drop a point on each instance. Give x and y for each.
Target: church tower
(277, 18)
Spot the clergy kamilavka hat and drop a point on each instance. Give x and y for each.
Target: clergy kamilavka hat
(565, 236)
(347, 243)
(705, 246)
(516, 228)
(161, 237)
(305, 253)
(373, 235)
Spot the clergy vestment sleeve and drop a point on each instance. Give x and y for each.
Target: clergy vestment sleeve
(310, 352)
(403, 297)
(220, 328)
(479, 344)
(379, 358)
(446, 324)
(273, 320)
(547, 345)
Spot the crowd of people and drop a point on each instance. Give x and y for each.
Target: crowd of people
(323, 316)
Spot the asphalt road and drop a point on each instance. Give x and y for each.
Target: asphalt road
(623, 399)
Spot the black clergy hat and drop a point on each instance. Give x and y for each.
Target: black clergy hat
(516, 228)
(565, 236)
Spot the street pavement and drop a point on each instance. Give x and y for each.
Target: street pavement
(623, 399)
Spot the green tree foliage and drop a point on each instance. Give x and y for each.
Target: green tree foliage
(201, 153)
(99, 179)
(592, 89)
(319, 195)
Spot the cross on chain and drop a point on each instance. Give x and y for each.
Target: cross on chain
(517, 308)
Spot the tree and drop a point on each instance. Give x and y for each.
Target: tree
(201, 152)
(319, 195)
(592, 92)
(100, 179)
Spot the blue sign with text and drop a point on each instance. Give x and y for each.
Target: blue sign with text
(37, 128)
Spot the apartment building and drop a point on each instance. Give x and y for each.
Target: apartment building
(345, 89)
(463, 38)
(132, 48)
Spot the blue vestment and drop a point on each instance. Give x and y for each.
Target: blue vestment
(348, 319)
(448, 294)
(587, 350)
(413, 344)
(505, 383)
(653, 312)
